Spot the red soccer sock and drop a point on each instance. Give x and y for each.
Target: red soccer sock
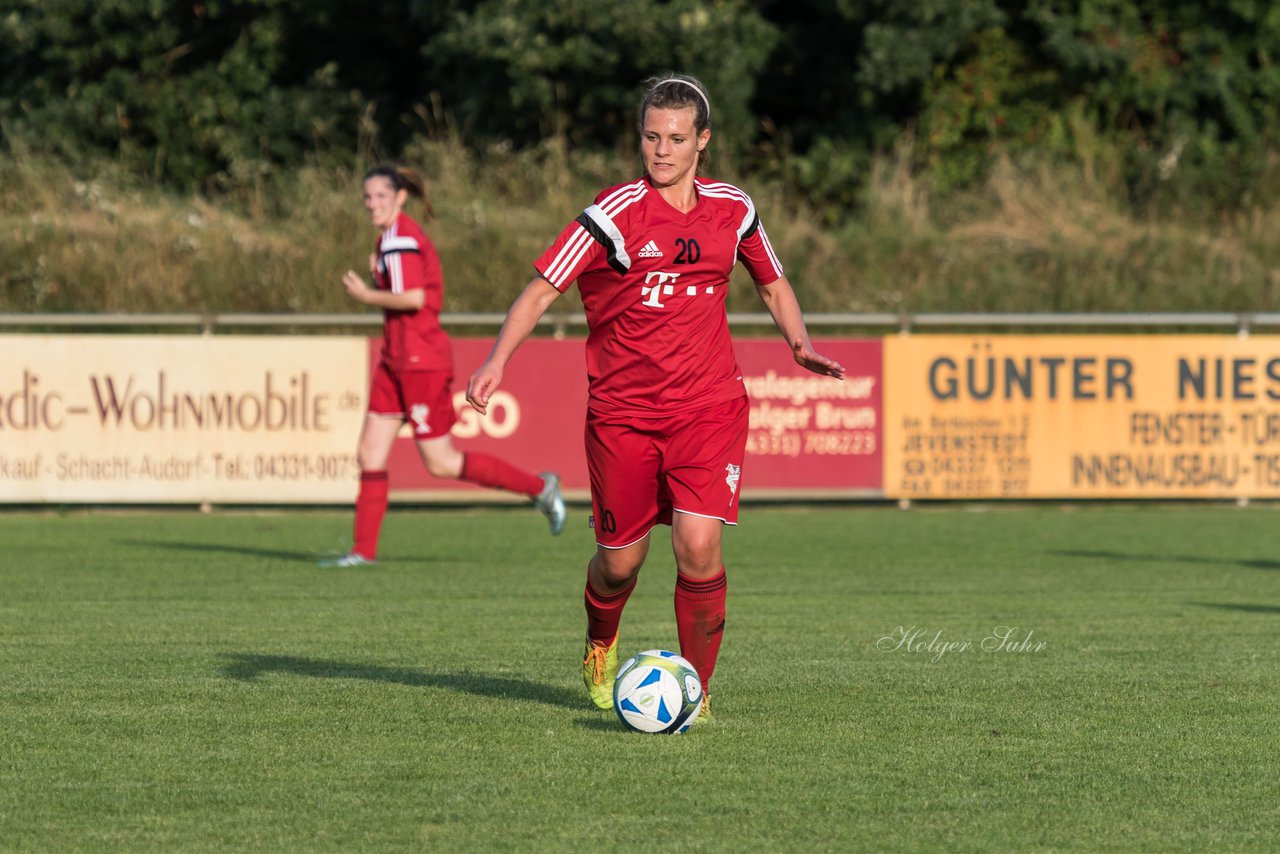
(604, 612)
(488, 470)
(371, 506)
(700, 621)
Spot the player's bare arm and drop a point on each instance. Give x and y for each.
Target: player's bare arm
(359, 290)
(524, 315)
(780, 299)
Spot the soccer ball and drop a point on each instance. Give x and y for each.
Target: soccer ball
(657, 691)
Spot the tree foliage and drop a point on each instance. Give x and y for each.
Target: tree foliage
(1176, 96)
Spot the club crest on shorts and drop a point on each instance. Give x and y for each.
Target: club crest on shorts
(732, 477)
(418, 414)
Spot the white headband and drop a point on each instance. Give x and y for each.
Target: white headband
(695, 88)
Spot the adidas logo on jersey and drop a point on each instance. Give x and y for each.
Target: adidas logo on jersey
(650, 250)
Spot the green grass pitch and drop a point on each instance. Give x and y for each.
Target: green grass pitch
(185, 682)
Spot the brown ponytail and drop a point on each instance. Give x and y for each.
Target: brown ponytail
(409, 180)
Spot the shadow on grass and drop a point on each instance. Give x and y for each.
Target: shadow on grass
(603, 722)
(1248, 609)
(1153, 558)
(247, 667)
(249, 551)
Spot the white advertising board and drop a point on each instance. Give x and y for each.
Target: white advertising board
(153, 419)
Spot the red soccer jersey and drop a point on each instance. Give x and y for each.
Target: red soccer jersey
(412, 340)
(653, 282)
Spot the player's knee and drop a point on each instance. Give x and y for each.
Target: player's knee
(440, 458)
(438, 466)
(697, 555)
(616, 570)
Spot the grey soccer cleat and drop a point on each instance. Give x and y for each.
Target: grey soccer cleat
(550, 502)
(347, 561)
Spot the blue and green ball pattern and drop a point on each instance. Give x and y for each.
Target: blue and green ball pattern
(657, 692)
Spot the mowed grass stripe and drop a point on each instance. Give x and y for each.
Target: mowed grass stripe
(173, 680)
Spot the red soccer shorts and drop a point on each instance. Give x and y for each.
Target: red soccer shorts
(420, 398)
(642, 469)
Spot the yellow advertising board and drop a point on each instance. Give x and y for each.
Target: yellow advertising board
(1066, 416)
(141, 419)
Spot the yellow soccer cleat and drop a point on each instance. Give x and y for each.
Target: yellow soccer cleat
(704, 714)
(599, 669)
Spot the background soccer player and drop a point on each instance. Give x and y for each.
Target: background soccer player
(412, 380)
(667, 412)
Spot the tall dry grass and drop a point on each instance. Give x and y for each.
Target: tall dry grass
(1033, 238)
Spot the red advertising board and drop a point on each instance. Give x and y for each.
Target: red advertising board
(810, 435)
(534, 420)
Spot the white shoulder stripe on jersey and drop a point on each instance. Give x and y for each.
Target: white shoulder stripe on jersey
(568, 254)
(768, 248)
(725, 191)
(567, 257)
(576, 258)
(748, 219)
(721, 185)
(620, 201)
(728, 191)
(392, 243)
(737, 196)
(638, 187)
(578, 245)
(605, 223)
(396, 273)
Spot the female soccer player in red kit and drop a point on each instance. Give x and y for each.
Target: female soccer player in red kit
(667, 412)
(412, 380)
